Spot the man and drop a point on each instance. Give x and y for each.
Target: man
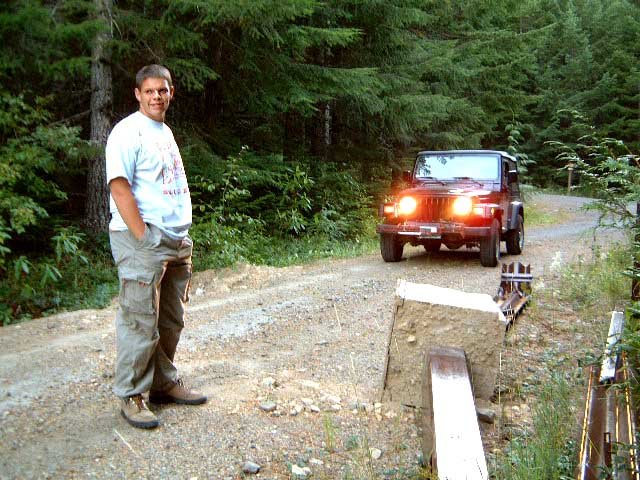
(151, 215)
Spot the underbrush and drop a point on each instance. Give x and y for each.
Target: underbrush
(74, 274)
(631, 346)
(265, 210)
(218, 246)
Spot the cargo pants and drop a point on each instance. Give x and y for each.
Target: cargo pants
(154, 274)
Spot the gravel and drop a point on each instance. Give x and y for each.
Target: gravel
(291, 358)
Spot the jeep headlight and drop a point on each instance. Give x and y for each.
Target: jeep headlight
(407, 205)
(462, 206)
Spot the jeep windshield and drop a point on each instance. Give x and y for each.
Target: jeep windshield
(455, 166)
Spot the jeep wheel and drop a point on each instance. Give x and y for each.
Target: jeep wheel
(432, 245)
(390, 247)
(490, 246)
(515, 238)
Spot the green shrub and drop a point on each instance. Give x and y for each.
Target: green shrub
(70, 276)
(34, 158)
(37, 256)
(599, 281)
(248, 206)
(217, 245)
(548, 450)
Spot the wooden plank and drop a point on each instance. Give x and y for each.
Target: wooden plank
(610, 360)
(451, 435)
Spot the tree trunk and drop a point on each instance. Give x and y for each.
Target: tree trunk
(321, 126)
(635, 283)
(97, 205)
(294, 139)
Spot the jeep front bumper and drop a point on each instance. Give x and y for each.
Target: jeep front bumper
(434, 230)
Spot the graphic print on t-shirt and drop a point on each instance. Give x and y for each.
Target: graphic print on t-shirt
(174, 178)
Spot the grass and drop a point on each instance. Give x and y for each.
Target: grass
(329, 433)
(597, 285)
(284, 252)
(547, 450)
(535, 216)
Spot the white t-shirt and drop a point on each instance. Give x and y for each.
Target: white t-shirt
(145, 153)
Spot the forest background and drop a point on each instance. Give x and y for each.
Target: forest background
(290, 116)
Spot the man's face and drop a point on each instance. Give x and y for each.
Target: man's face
(154, 96)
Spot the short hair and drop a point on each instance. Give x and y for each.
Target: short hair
(153, 71)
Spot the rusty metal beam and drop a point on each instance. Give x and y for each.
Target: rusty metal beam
(451, 435)
(515, 289)
(608, 444)
(627, 427)
(592, 443)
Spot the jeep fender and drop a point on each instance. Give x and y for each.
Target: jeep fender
(498, 213)
(516, 209)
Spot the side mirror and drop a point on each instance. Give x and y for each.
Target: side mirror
(398, 177)
(513, 176)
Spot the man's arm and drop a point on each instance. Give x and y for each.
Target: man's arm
(127, 206)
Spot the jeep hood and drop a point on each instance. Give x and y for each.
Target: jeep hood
(469, 187)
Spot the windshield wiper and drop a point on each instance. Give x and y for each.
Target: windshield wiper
(433, 179)
(468, 178)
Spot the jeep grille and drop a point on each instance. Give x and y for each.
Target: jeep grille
(434, 209)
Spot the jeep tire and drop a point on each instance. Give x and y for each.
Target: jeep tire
(390, 247)
(490, 246)
(515, 238)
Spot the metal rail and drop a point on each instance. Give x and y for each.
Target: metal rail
(514, 291)
(608, 447)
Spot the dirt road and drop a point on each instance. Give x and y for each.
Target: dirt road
(309, 339)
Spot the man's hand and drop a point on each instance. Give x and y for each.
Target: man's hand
(127, 206)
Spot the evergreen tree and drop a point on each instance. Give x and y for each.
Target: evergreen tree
(612, 100)
(43, 57)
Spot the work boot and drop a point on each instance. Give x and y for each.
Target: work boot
(135, 411)
(178, 394)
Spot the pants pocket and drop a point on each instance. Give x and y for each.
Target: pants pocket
(187, 287)
(138, 295)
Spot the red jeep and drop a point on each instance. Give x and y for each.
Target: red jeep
(456, 198)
